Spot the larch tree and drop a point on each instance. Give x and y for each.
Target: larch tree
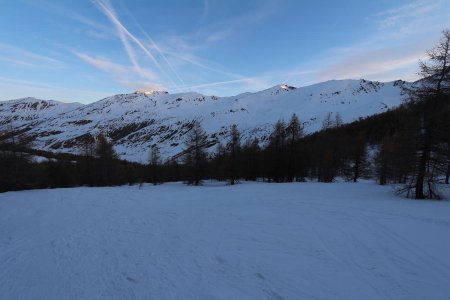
(154, 165)
(195, 154)
(294, 132)
(234, 151)
(431, 101)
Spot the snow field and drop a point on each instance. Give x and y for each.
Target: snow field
(249, 241)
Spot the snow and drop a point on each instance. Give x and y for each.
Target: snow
(249, 241)
(24, 111)
(164, 116)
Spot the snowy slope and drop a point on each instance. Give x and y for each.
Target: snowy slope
(249, 241)
(19, 112)
(136, 121)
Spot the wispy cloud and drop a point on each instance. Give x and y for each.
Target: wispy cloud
(122, 74)
(394, 17)
(399, 39)
(24, 58)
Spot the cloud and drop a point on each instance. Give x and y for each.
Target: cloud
(372, 62)
(398, 16)
(103, 64)
(400, 38)
(122, 74)
(236, 24)
(23, 58)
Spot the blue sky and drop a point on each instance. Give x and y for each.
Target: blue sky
(86, 50)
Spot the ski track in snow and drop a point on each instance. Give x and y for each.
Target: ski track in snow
(249, 241)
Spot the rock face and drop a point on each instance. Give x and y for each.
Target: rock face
(134, 122)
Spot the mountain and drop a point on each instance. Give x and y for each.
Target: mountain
(136, 121)
(23, 111)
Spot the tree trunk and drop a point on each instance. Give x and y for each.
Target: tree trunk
(447, 174)
(421, 172)
(355, 171)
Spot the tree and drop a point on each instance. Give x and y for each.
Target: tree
(276, 151)
(431, 101)
(328, 123)
(358, 156)
(233, 154)
(106, 167)
(154, 165)
(14, 161)
(87, 162)
(251, 164)
(218, 164)
(294, 133)
(338, 120)
(104, 149)
(195, 154)
(383, 159)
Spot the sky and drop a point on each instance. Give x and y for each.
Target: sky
(89, 49)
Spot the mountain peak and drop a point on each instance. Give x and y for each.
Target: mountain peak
(287, 87)
(151, 92)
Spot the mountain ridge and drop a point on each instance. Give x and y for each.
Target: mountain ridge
(135, 121)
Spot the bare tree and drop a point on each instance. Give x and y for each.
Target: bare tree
(195, 153)
(155, 162)
(431, 101)
(234, 150)
(294, 132)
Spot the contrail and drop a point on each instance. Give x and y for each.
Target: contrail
(246, 79)
(154, 45)
(123, 32)
(239, 78)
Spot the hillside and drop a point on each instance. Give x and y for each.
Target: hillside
(136, 121)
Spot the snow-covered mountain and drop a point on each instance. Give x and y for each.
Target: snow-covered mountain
(136, 121)
(23, 111)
